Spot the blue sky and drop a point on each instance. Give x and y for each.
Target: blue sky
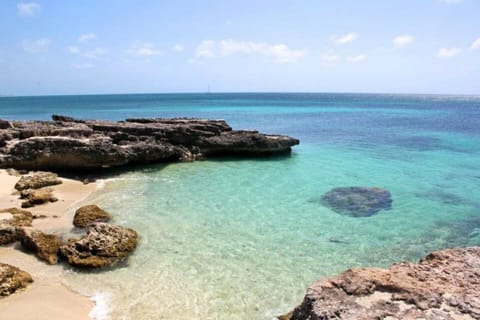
(91, 46)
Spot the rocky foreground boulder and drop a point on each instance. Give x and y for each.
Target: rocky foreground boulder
(12, 279)
(10, 220)
(445, 285)
(67, 143)
(37, 181)
(104, 245)
(44, 246)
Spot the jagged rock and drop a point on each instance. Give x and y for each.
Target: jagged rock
(37, 181)
(44, 246)
(89, 214)
(4, 124)
(37, 196)
(12, 279)
(443, 285)
(357, 201)
(67, 143)
(10, 220)
(104, 245)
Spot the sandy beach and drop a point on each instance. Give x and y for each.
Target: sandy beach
(47, 297)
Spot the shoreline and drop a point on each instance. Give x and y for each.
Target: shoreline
(48, 297)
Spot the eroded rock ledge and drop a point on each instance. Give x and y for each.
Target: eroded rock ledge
(67, 143)
(443, 285)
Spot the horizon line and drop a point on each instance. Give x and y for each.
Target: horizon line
(241, 92)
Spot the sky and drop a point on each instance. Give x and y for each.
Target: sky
(52, 47)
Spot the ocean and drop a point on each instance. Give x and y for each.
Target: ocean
(238, 238)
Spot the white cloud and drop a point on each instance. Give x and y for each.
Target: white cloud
(81, 66)
(36, 46)
(331, 57)
(95, 53)
(403, 40)
(178, 48)
(73, 49)
(476, 44)
(28, 9)
(206, 49)
(90, 54)
(144, 50)
(280, 53)
(356, 59)
(344, 39)
(448, 52)
(86, 37)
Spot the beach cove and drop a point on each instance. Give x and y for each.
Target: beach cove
(205, 252)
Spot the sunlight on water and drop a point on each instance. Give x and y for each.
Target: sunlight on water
(243, 239)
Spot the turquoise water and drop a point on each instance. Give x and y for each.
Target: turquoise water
(243, 238)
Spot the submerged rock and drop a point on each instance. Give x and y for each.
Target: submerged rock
(67, 143)
(37, 181)
(45, 246)
(104, 245)
(357, 201)
(443, 285)
(12, 279)
(89, 214)
(10, 220)
(37, 196)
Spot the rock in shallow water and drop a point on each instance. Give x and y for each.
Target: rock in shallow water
(12, 279)
(357, 201)
(66, 143)
(443, 285)
(89, 214)
(104, 245)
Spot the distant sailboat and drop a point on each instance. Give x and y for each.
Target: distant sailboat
(208, 89)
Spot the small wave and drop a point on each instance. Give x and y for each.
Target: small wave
(101, 310)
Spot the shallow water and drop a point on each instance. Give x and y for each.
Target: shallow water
(242, 239)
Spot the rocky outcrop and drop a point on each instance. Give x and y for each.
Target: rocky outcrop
(37, 181)
(67, 143)
(35, 197)
(12, 279)
(44, 246)
(10, 220)
(89, 214)
(104, 245)
(357, 201)
(443, 285)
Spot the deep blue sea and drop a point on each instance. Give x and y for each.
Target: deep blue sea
(243, 238)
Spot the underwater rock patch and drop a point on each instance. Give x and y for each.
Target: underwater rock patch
(357, 201)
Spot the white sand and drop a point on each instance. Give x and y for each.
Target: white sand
(47, 298)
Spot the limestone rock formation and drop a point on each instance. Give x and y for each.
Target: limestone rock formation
(37, 196)
(12, 279)
(104, 245)
(10, 220)
(45, 246)
(67, 143)
(37, 181)
(357, 201)
(89, 214)
(444, 285)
